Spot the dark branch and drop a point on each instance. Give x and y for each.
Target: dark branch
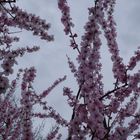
(7, 1)
(109, 92)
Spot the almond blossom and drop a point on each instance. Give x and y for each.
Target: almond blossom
(97, 114)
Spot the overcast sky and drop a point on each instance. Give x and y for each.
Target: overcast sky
(51, 62)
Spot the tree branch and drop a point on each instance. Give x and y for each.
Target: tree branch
(109, 92)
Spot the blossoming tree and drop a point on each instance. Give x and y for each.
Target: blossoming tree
(97, 115)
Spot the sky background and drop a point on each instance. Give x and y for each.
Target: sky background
(51, 62)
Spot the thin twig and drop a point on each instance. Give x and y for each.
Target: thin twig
(7, 11)
(109, 92)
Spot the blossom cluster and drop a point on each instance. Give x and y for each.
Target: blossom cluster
(97, 114)
(66, 19)
(29, 22)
